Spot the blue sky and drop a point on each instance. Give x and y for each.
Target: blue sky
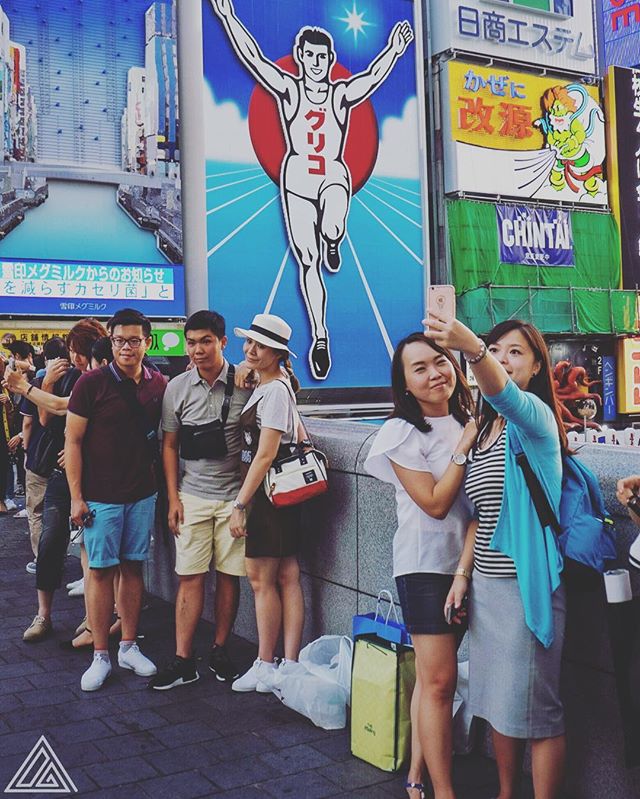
(276, 33)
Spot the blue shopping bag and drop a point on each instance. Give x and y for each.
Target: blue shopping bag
(385, 627)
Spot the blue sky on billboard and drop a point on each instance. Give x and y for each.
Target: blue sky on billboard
(353, 52)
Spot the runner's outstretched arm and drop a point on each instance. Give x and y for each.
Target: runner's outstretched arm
(248, 51)
(362, 85)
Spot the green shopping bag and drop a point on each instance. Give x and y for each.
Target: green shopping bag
(382, 682)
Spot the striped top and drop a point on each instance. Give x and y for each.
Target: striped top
(485, 486)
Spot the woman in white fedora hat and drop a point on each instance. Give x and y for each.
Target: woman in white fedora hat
(270, 426)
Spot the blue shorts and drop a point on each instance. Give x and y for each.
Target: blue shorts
(119, 532)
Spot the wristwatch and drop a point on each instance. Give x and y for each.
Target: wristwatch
(239, 505)
(459, 458)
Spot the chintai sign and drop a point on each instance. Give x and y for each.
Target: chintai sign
(536, 236)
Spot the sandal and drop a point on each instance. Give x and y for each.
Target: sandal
(418, 786)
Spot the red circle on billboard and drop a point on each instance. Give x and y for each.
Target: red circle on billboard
(267, 137)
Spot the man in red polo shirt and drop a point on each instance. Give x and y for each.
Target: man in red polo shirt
(110, 458)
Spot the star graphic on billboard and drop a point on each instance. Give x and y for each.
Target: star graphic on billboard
(355, 22)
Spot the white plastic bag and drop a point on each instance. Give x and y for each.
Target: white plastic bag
(330, 657)
(319, 687)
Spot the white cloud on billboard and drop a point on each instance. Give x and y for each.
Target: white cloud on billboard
(398, 153)
(226, 131)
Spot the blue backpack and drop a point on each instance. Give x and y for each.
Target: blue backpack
(585, 531)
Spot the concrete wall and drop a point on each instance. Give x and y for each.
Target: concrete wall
(347, 559)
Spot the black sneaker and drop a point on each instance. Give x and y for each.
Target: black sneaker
(181, 672)
(320, 359)
(221, 665)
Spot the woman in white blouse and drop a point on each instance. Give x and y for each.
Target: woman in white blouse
(422, 451)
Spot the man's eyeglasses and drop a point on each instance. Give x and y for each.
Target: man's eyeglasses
(119, 342)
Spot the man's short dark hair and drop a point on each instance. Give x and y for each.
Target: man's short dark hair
(102, 350)
(129, 316)
(206, 320)
(314, 36)
(21, 349)
(55, 347)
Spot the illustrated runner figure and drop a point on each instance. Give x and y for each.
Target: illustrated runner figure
(315, 183)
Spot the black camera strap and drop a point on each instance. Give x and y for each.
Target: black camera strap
(127, 390)
(228, 394)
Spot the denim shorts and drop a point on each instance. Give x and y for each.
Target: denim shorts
(422, 597)
(119, 532)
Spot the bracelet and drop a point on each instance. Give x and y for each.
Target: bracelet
(460, 572)
(29, 390)
(481, 354)
(239, 505)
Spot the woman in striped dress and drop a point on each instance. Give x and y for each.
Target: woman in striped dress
(517, 601)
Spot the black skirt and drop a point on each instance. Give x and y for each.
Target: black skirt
(272, 532)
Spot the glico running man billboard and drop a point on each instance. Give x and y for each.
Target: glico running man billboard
(314, 208)
(90, 197)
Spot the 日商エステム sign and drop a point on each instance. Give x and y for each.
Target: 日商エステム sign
(550, 33)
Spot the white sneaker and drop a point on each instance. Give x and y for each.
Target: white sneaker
(10, 504)
(74, 583)
(31, 567)
(21, 514)
(134, 660)
(286, 668)
(96, 674)
(258, 678)
(78, 589)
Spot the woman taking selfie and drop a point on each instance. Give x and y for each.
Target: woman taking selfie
(517, 602)
(269, 424)
(422, 451)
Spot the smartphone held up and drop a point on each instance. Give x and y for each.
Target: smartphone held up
(441, 301)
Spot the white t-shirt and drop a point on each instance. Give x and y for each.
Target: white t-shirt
(421, 543)
(276, 409)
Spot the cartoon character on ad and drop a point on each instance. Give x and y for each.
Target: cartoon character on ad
(315, 182)
(573, 126)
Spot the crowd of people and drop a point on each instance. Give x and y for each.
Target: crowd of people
(469, 551)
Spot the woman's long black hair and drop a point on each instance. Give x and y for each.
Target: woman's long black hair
(540, 384)
(406, 406)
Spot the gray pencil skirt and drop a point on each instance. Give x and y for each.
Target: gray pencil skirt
(514, 682)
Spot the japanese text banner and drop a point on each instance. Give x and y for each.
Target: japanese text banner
(551, 33)
(518, 135)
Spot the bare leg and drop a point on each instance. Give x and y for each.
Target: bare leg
(189, 604)
(45, 602)
(130, 598)
(226, 605)
(292, 606)
(334, 207)
(263, 574)
(436, 664)
(302, 216)
(547, 760)
(416, 767)
(509, 752)
(100, 602)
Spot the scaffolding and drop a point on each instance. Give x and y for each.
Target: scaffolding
(553, 309)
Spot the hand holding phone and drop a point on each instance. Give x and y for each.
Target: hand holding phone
(441, 301)
(453, 614)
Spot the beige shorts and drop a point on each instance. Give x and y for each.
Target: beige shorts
(205, 535)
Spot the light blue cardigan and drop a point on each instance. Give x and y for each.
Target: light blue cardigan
(518, 532)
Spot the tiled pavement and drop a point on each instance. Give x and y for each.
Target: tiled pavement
(196, 741)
